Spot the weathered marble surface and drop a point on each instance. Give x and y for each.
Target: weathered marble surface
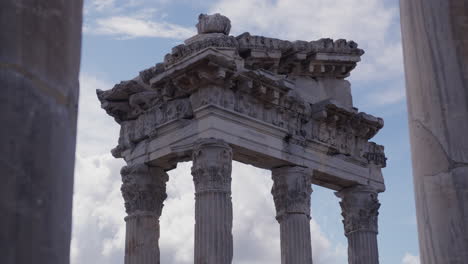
(271, 103)
(435, 44)
(291, 97)
(360, 210)
(211, 170)
(144, 191)
(39, 66)
(292, 187)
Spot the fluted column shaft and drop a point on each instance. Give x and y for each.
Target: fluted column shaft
(360, 211)
(212, 161)
(144, 191)
(291, 192)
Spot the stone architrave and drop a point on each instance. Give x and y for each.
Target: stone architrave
(275, 104)
(291, 192)
(360, 210)
(144, 191)
(39, 68)
(435, 49)
(212, 161)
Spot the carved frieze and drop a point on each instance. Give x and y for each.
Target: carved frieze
(212, 165)
(360, 209)
(323, 57)
(346, 132)
(291, 191)
(375, 154)
(145, 126)
(143, 189)
(255, 76)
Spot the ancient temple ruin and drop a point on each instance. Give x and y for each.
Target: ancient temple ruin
(278, 105)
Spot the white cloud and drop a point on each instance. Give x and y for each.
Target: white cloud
(98, 233)
(134, 27)
(97, 132)
(410, 259)
(131, 19)
(98, 211)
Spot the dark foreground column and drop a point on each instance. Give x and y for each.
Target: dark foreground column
(213, 207)
(360, 209)
(39, 66)
(291, 192)
(435, 47)
(144, 191)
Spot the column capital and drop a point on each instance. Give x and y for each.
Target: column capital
(360, 208)
(212, 166)
(143, 189)
(292, 187)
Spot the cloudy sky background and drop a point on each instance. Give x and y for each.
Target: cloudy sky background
(123, 37)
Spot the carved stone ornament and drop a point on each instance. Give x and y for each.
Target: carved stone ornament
(212, 165)
(143, 189)
(291, 191)
(213, 24)
(298, 87)
(260, 94)
(360, 209)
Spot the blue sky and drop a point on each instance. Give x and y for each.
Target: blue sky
(123, 37)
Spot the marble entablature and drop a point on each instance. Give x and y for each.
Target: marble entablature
(297, 87)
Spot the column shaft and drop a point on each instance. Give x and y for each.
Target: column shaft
(213, 206)
(295, 239)
(291, 193)
(39, 69)
(142, 236)
(360, 210)
(435, 48)
(144, 191)
(213, 228)
(362, 248)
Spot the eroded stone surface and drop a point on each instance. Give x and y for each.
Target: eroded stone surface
(256, 78)
(216, 23)
(435, 39)
(272, 103)
(144, 191)
(212, 165)
(292, 187)
(360, 210)
(39, 68)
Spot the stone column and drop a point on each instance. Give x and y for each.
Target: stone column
(435, 48)
(211, 172)
(144, 191)
(291, 192)
(360, 207)
(39, 67)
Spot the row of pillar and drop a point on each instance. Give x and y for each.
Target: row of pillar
(144, 191)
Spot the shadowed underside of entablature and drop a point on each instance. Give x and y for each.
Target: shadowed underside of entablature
(275, 102)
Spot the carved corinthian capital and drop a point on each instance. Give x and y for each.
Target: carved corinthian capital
(291, 191)
(360, 209)
(143, 189)
(211, 170)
